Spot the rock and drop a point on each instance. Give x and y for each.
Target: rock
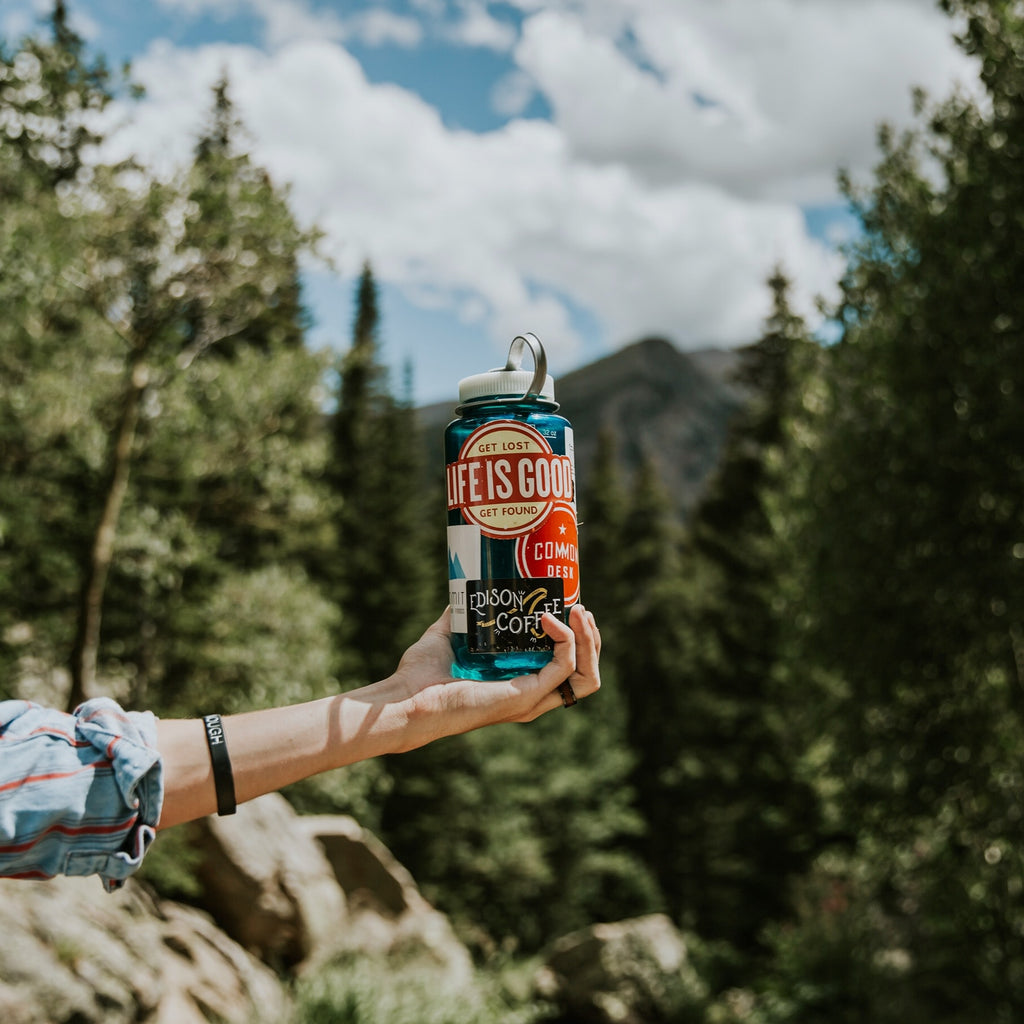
(363, 866)
(220, 971)
(388, 915)
(69, 951)
(268, 884)
(628, 972)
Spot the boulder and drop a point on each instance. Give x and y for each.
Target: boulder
(268, 884)
(69, 951)
(281, 891)
(627, 972)
(388, 915)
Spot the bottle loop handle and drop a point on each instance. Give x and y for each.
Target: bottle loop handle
(535, 391)
(517, 350)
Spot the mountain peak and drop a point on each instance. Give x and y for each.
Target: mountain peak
(661, 404)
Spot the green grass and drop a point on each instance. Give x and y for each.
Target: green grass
(364, 990)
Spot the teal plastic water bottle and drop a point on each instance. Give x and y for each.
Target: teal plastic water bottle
(512, 529)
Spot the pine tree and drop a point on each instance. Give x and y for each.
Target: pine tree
(381, 570)
(53, 343)
(51, 95)
(602, 511)
(752, 821)
(184, 269)
(650, 632)
(912, 563)
(146, 281)
(161, 427)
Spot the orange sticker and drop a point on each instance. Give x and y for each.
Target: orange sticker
(552, 551)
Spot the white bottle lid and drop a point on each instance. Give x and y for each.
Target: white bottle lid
(510, 383)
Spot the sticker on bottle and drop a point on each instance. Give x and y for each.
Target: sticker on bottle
(463, 565)
(552, 551)
(504, 615)
(507, 479)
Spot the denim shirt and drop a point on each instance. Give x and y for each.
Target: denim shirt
(80, 794)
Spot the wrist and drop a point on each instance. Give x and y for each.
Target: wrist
(413, 725)
(421, 714)
(368, 722)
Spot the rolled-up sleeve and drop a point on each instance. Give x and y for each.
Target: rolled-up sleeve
(81, 793)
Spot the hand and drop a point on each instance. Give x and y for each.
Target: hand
(441, 705)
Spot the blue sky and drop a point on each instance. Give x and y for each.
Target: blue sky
(589, 170)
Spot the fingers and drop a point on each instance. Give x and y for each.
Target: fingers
(550, 702)
(594, 629)
(575, 659)
(587, 677)
(563, 660)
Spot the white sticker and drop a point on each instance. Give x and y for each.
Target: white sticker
(463, 564)
(570, 450)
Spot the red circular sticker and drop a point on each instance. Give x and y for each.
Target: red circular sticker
(507, 479)
(552, 551)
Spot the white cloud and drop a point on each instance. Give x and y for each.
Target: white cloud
(512, 93)
(764, 98)
(16, 23)
(476, 26)
(287, 20)
(378, 27)
(685, 137)
(504, 225)
(222, 8)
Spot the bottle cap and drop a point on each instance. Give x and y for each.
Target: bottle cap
(511, 383)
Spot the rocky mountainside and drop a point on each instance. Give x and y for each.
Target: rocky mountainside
(669, 406)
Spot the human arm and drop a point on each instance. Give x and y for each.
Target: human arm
(420, 702)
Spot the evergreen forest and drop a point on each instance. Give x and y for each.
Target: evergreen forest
(808, 749)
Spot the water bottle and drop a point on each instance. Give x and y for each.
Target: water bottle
(512, 529)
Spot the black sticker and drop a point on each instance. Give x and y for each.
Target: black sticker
(504, 615)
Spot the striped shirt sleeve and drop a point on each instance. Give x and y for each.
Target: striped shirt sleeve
(80, 794)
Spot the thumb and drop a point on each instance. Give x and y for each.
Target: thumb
(442, 625)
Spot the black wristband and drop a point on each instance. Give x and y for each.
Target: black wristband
(223, 779)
